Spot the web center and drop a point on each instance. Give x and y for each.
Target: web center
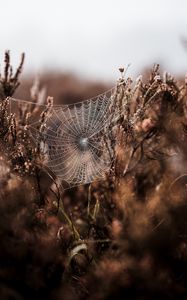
(83, 143)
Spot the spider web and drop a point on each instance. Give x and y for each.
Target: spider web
(75, 139)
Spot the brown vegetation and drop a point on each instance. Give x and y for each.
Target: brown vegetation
(132, 242)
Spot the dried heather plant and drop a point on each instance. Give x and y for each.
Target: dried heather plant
(9, 81)
(122, 237)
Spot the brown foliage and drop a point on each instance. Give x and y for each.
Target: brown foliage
(131, 242)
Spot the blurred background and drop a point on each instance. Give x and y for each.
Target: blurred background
(92, 39)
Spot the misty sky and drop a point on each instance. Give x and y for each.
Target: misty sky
(94, 38)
